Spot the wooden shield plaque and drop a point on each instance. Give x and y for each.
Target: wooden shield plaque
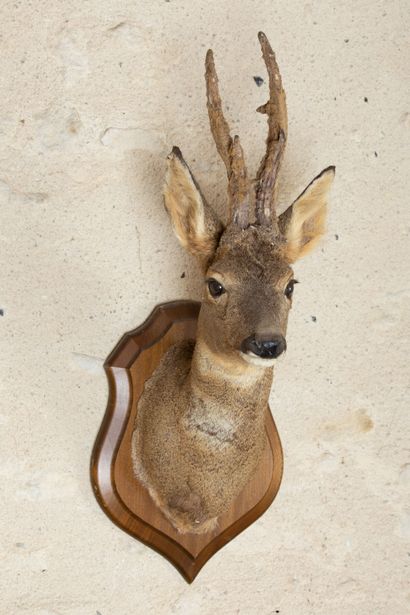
(120, 495)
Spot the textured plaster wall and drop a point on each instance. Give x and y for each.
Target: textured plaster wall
(93, 95)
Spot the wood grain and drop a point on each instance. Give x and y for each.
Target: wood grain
(125, 501)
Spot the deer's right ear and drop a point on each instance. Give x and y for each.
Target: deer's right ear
(196, 225)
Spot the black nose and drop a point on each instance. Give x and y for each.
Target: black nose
(266, 349)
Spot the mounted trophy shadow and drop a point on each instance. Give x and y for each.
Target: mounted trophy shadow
(120, 494)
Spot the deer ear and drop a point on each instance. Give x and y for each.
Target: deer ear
(303, 223)
(196, 225)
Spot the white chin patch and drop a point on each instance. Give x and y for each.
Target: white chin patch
(253, 359)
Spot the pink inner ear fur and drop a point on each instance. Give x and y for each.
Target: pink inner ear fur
(308, 220)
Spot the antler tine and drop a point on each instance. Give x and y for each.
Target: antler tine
(239, 186)
(275, 109)
(219, 125)
(230, 150)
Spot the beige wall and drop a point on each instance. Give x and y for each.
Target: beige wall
(93, 96)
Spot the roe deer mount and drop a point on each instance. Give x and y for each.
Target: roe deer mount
(200, 430)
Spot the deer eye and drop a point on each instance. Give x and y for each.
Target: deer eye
(215, 288)
(289, 288)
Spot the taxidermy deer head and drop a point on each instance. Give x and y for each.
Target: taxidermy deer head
(248, 261)
(200, 431)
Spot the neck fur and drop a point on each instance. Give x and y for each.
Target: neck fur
(234, 371)
(228, 397)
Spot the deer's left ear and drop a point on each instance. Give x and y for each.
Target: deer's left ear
(196, 225)
(303, 223)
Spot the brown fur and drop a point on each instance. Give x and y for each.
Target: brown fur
(200, 430)
(192, 434)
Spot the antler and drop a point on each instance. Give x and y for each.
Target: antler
(275, 108)
(229, 149)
